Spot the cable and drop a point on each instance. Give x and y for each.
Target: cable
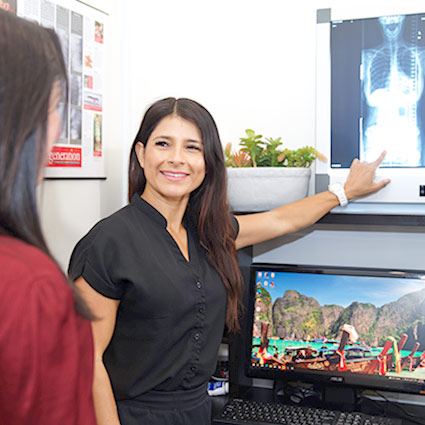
(413, 418)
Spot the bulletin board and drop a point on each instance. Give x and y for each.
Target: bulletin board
(79, 152)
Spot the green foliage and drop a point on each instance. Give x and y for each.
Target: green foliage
(256, 152)
(264, 296)
(372, 330)
(270, 154)
(252, 145)
(292, 308)
(312, 322)
(263, 317)
(302, 157)
(397, 332)
(363, 337)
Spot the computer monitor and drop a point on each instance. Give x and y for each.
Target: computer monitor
(370, 98)
(363, 328)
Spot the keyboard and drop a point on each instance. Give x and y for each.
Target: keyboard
(248, 412)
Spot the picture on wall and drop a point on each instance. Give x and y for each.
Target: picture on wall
(82, 32)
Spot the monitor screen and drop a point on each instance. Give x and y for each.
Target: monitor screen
(359, 327)
(370, 98)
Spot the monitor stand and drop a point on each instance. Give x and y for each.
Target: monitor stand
(341, 398)
(332, 397)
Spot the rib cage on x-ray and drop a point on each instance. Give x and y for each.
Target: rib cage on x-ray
(392, 87)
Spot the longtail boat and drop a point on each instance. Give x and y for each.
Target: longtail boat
(394, 357)
(376, 364)
(409, 362)
(420, 361)
(263, 355)
(336, 360)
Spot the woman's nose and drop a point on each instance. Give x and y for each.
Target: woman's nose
(176, 155)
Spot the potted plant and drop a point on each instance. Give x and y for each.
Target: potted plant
(262, 175)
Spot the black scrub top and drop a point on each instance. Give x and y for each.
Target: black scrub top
(171, 316)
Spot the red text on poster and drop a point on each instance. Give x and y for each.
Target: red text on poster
(64, 157)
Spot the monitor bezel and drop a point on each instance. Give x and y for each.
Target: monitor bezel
(374, 382)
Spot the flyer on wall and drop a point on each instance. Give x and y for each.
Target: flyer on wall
(79, 152)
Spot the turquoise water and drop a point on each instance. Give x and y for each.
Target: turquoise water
(281, 345)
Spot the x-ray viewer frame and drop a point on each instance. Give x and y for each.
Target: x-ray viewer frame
(346, 112)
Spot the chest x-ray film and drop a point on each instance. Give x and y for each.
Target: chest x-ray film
(377, 100)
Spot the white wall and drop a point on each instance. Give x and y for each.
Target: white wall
(251, 63)
(69, 208)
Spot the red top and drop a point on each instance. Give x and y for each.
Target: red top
(46, 348)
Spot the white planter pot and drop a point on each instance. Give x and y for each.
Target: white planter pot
(265, 188)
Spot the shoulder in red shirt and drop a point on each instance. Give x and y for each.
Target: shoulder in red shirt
(46, 348)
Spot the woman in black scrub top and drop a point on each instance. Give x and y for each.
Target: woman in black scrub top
(161, 274)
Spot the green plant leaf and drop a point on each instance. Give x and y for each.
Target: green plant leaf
(256, 152)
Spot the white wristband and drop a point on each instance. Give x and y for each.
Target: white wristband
(338, 190)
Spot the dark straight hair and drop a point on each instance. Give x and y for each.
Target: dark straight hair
(208, 204)
(31, 63)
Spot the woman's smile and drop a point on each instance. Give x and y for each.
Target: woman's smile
(174, 176)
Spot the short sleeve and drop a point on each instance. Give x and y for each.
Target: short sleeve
(95, 258)
(235, 225)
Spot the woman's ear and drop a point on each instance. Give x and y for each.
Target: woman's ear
(140, 153)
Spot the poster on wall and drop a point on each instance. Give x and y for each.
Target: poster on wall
(79, 152)
(9, 5)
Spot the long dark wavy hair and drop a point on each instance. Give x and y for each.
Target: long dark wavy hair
(31, 62)
(208, 204)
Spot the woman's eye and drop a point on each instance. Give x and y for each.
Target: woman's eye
(194, 147)
(161, 143)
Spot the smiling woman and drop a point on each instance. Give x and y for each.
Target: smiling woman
(174, 247)
(162, 272)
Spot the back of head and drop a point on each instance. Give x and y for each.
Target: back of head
(31, 63)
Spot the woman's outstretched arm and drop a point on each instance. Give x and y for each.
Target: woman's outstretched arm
(256, 228)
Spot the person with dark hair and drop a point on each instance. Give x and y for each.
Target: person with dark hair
(46, 346)
(162, 273)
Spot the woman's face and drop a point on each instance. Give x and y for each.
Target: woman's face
(53, 122)
(172, 160)
(53, 118)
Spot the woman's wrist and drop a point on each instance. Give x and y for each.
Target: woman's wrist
(339, 191)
